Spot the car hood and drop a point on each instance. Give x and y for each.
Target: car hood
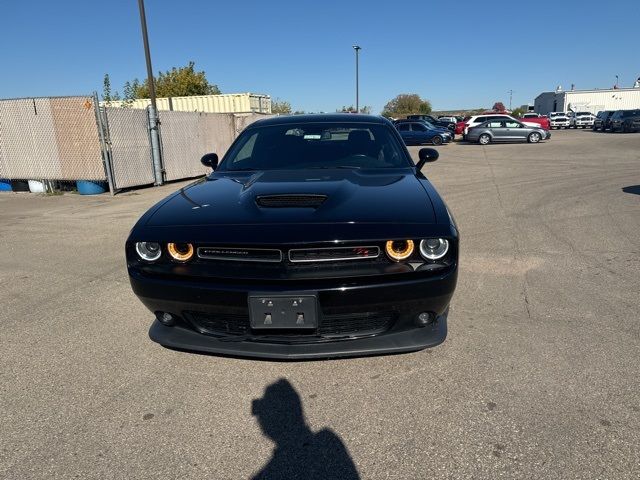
(352, 196)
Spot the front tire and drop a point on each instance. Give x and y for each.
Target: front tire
(534, 137)
(484, 139)
(437, 140)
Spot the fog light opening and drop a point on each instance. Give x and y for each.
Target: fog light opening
(425, 318)
(166, 318)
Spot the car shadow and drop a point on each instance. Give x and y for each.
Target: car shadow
(633, 189)
(299, 452)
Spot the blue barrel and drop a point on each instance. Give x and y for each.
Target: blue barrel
(5, 185)
(85, 187)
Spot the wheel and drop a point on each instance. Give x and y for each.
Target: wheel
(437, 140)
(534, 137)
(485, 139)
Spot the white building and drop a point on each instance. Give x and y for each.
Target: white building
(587, 100)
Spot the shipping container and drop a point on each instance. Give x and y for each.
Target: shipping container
(225, 103)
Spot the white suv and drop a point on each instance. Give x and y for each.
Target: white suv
(479, 119)
(583, 120)
(559, 120)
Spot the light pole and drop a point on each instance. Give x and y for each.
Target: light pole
(510, 97)
(357, 49)
(153, 111)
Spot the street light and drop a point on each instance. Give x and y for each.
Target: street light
(357, 48)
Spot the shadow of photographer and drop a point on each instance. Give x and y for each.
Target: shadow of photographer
(299, 452)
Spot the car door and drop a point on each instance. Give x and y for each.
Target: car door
(405, 132)
(420, 133)
(497, 130)
(515, 130)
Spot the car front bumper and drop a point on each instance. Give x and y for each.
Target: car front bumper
(401, 300)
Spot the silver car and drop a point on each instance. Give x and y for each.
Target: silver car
(506, 131)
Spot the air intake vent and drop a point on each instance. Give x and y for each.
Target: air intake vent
(290, 201)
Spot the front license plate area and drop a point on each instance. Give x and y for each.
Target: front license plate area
(283, 311)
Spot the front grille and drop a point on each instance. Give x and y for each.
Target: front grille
(219, 323)
(333, 254)
(367, 323)
(291, 201)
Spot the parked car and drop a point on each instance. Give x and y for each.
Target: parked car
(480, 119)
(582, 120)
(601, 118)
(506, 131)
(315, 236)
(533, 119)
(559, 120)
(461, 125)
(448, 119)
(419, 133)
(622, 120)
(434, 121)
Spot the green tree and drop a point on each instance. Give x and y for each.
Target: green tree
(177, 82)
(518, 112)
(406, 104)
(280, 107)
(129, 95)
(106, 89)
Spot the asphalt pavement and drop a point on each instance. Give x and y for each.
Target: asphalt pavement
(538, 379)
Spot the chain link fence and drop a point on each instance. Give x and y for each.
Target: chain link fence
(128, 144)
(50, 139)
(65, 139)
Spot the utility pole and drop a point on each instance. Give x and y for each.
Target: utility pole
(510, 97)
(357, 49)
(153, 110)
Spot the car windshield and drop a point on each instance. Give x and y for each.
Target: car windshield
(315, 145)
(582, 114)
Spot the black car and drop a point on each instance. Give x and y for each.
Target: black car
(315, 236)
(625, 121)
(434, 121)
(602, 121)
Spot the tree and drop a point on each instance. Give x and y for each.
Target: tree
(280, 107)
(129, 95)
(106, 89)
(352, 109)
(406, 104)
(498, 107)
(518, 112)
(177, 82)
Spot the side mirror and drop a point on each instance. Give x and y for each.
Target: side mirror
(426, 155)
(210, 160)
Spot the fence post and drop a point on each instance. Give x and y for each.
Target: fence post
(155, 146)
(106, 158)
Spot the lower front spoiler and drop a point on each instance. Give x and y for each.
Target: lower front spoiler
(393, 342)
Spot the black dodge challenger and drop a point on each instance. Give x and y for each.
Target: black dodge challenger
(315, 236)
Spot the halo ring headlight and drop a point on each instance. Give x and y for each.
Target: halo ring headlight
(149, 251)
(434, 248)
(181, 252)
(398, 250)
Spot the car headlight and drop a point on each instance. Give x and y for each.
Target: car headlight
(148, 251)
(434, 248)
(398, 250)
(180, 252)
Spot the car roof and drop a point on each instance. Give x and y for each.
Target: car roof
(319, 118)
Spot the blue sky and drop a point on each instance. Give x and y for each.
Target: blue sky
(456, 53)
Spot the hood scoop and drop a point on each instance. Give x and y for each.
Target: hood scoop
(294, 200)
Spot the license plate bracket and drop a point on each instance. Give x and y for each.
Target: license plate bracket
(283, 311)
